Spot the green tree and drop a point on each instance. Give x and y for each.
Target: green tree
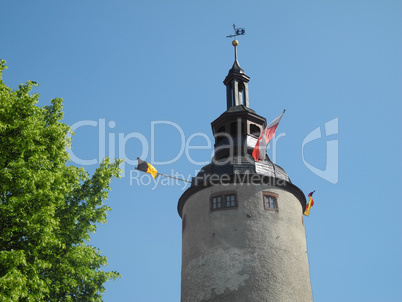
(47, 208)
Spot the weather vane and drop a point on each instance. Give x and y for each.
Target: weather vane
(238, 32)
(235, 43)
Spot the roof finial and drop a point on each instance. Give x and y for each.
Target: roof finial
(235, 43)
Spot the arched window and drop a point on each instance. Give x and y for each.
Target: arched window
(230, 95)
(242, 94)
(255, 130)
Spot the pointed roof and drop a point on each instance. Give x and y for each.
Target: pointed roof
(236, 68)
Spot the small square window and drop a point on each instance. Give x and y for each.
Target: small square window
(270, 201)
(223, 201)
(216, 202)
(230, 201)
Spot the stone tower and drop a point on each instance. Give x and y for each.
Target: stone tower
(243, 230)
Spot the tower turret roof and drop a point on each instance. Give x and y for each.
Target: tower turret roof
(236, 68)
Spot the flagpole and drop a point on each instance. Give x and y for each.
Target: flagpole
(273, 164)
(173, 177)
(157, 173)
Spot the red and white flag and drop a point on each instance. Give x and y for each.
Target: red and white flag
(262, 142)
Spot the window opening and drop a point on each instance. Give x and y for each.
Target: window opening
(216, 202)
(255, 130)
(270, 201)
(223, 201)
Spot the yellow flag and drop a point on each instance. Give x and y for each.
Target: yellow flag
(151, 170)
(145, 167)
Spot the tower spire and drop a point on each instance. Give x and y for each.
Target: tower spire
(236, 64)
(236, 81)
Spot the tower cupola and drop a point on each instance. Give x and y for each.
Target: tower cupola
(236, 83)
(238, 128)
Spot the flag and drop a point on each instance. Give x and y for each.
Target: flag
(262, 142)
(309, 204)
(145, 167)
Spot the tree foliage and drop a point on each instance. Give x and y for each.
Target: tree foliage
(47, 208)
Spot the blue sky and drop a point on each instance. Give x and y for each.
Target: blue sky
(145, 77)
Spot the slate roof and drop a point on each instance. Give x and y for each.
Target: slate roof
(236, 68)
(245, 168)
(240, 108)
(243, 165)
